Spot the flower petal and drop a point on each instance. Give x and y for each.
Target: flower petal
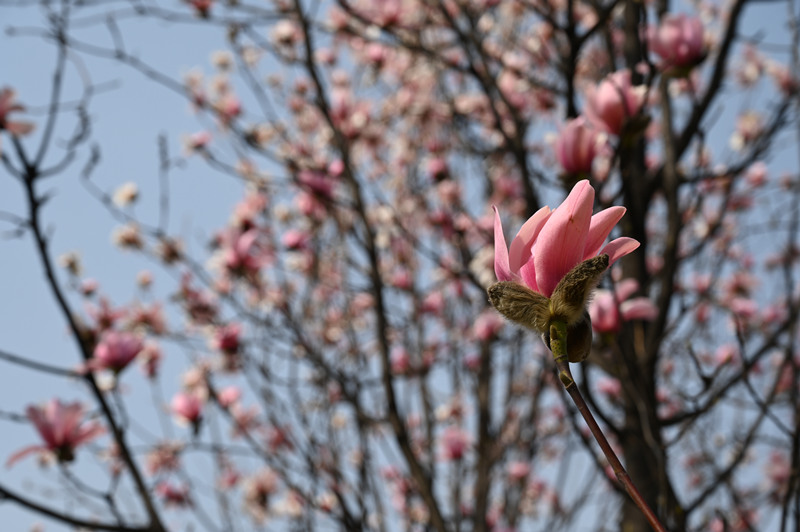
(599, 229)
(561, 242)
(619, 247)
(638, 308)
(40, 417)
(501, 269)
(626, 288)
(528, 274)
(520, 251)
(22, 453)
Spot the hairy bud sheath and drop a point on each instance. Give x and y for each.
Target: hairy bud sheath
(533, 310)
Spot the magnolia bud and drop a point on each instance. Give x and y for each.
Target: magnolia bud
(568, 302)
(579, 339)
(521, 305)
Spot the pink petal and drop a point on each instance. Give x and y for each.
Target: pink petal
(40, 420)
(528, 273)
(619, 248)
(602, 224)
(626, 288)
(501, 269)
(19, 128)
(66, 423)
(562, 240)
(521, 246)
(639, 308)
(22, 453)
(86, 433)
(245, 242)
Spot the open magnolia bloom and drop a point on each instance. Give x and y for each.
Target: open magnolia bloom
(553, 264)
(61, 427)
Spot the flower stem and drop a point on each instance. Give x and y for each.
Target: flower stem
(558, 345)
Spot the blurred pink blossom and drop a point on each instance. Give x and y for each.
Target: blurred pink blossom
(228, 396)
(609, 310)
(115, 351)
(60, 426)
(487, 325)
(187, 407)
(226, 338)
(172, 495)
(678, 40)
(400, 361)
(518, 470)
(613, 102)
(7, 106)
(150, 357)
(454, 441)
(577, 146)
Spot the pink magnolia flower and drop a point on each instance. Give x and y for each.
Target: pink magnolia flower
(577, 147)
(171, 495)
(150, 358)
(115, 351)
(60, 427)
(455, 442)
(226, 338)
(613, 102)
(243, 254)
(486, 326)
(187, 407)
(551, 243)
(679, 41)
(228, 396)
(518, 470)
(7, 106)
(609, 310)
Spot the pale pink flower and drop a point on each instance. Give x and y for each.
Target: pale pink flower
(149, 318)
(433, 303)
(609, 310)
(287, 32)
(126, 194)
(613, 102)
(164, 457)
(245, 420)
(295, 240)
(551, 243)
(726, 354)
(679, 40)
(257, 491)
(60, 426)
(196, 142)
(455, 442)
(115, 351)
(749, 127)
(172, 495)
(577, 146)
(104, 315)
(228, 396)
(609, 387)
(7, 106)
(187, 407)
(486, 326)
(150, 358)
(228, 107)
(437, 169)
(88, 287)
(226, 338)
(243, 254)
(518, 470)
(400, 361)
